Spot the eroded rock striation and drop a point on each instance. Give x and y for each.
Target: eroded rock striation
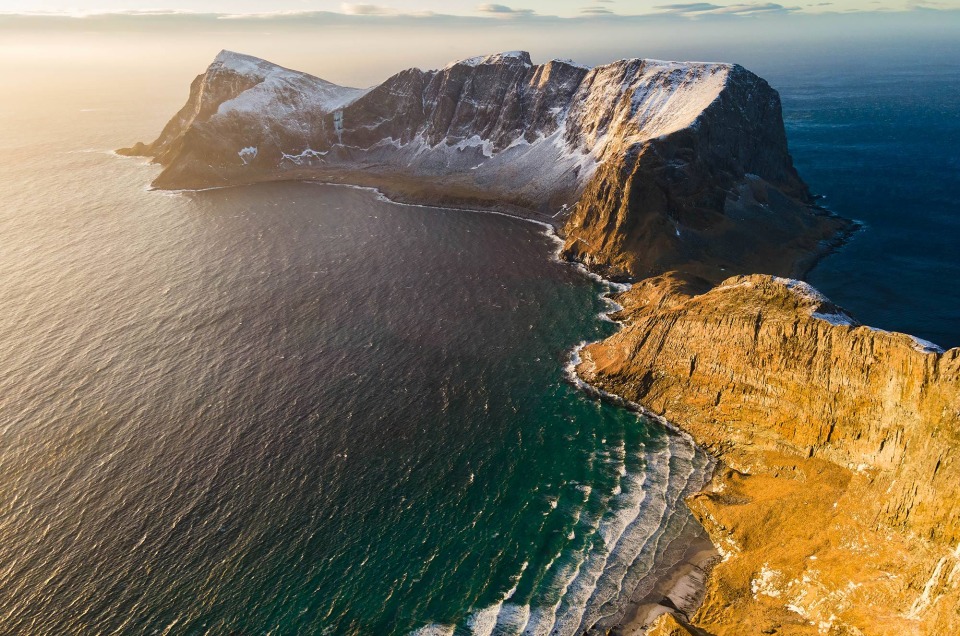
(644, 165)
(839, 510)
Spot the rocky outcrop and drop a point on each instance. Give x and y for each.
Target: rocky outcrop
(839, 511)
(644, 165)
(668, 625)
(717, 197)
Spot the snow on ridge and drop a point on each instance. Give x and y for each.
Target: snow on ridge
(496, 58)
(837, 319)
(280, 90)
(672, 96)
(307, 157)
(248, 154)
(925, 346)
(803, 290)
(819, 306)
(240, 63)
(569, 62)
(663, 97)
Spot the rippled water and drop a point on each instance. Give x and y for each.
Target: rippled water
(295, 408)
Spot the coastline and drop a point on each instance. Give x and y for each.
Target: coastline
(832, 509)
(681, 591)
(680, 587)
(677, 587)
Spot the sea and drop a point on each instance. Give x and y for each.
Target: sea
(295, 408)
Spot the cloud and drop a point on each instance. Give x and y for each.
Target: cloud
(596, 11)
(694, 7)
(365, 9)
(708, 8)
(747, 9)
(502, 9)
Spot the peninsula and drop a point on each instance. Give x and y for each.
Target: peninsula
(836, 504)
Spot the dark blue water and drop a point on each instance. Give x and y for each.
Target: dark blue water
(880, 139)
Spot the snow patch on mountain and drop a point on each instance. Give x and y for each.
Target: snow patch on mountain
(497, 58)
(280, 92)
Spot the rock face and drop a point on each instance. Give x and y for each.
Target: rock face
(646, 165)
(841, 505)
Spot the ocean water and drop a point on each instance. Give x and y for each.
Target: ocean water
(879, 138)
(300, 409)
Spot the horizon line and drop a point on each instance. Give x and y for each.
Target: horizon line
(758, 11)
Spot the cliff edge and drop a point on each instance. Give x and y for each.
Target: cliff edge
(838, 510)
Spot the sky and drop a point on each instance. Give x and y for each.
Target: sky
(504, 10)
(167, 42)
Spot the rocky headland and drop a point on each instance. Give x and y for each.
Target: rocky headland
(836, 506)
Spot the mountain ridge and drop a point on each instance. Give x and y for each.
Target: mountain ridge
(643, 165)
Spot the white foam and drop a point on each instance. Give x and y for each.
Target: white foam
(482, 623)
(435, 630)
(512, 619)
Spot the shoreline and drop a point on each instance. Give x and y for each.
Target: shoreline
(817, 493)
(681, 590)
(681, 586)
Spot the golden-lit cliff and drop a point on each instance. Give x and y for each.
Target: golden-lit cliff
(838, 507)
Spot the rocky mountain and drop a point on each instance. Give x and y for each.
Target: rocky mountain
(839, 509)
(836, 507)
(645, 165)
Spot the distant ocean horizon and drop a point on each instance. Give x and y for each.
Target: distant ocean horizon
(294, 408)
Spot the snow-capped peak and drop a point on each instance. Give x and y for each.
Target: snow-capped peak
(242, 64)
(278, 89)
(497, 58)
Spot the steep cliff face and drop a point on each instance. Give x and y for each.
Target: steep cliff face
(842, 440)
(719, 195)
(668, 165)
